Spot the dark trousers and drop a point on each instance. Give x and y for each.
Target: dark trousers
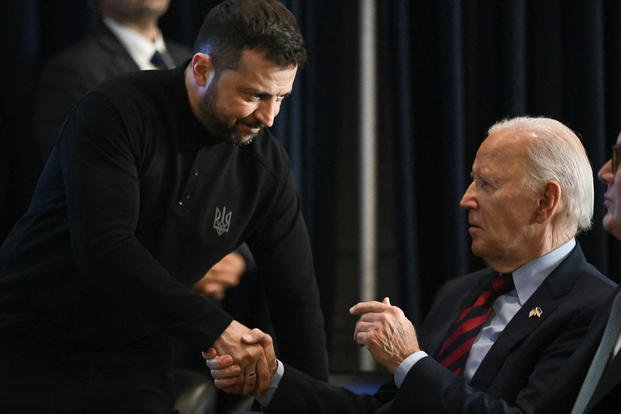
(37, 378)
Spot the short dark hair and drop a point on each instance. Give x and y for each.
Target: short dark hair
(262, 25)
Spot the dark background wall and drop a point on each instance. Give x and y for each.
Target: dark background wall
(448, 69)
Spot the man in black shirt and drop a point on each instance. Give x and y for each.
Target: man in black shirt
(156, 176)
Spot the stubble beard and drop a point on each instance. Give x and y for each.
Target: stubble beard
(213, 123)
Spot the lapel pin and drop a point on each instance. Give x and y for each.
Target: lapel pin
(535, 312)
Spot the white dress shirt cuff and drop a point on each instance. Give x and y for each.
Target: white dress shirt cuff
(266, 398)
(405, 366)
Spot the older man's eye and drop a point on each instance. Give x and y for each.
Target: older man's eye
(485, 185)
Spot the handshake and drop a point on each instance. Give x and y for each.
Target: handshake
(242, 361)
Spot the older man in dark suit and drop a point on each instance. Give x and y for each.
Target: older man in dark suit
(494, 339)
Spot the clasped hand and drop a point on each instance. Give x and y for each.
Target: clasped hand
(242, 361)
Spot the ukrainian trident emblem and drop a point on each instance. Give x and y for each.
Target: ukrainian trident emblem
(222, 221)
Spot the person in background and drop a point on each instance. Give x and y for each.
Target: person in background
(494, 340)
(127, 38)
(155, 176)
(590, 381)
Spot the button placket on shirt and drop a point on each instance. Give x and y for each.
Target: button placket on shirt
(189, 188)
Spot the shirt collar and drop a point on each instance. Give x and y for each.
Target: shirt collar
(528, 277)
(139, 47)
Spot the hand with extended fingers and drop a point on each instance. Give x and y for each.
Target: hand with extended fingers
(385, 331)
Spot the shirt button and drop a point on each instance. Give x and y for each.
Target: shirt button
(180, 203)
(195, 173)
(188, 197)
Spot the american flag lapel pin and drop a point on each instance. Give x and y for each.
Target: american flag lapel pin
(536, 311)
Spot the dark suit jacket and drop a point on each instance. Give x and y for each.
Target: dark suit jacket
(607, 397)
(515, 373)
(68, 76)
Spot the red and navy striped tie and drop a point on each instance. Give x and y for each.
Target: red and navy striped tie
(456, 347)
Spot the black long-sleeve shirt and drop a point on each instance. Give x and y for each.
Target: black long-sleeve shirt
(134, 205)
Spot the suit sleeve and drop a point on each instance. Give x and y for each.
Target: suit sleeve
(430, 387)
(61, 86)
(301, 394)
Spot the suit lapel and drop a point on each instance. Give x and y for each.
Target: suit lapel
(547, 297)
(120, 57)
(519, 327)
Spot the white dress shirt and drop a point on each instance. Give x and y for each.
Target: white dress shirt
(140, 48)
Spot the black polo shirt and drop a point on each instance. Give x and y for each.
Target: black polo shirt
(134, 205)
